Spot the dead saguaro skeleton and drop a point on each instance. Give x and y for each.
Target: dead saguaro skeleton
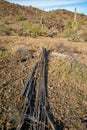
(34, 115)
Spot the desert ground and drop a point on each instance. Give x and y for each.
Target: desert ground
(67, 78)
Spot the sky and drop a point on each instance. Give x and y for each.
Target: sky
(47, 5)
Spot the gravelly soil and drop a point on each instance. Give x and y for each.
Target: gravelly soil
(67, 80)
(67, 83)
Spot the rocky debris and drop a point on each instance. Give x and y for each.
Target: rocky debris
(57, 55)
(23, 54)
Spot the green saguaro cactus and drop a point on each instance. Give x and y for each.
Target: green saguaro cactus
(75, 21)
(41, 22)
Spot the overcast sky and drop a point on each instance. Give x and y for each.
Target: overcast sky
(47, 5)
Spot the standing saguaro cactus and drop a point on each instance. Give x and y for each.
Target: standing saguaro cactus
(75, 21)
(41, 22)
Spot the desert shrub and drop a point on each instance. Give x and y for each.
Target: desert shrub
(77, 24)
(36, 29)
(20, 17)
(71, 28)
(68, 30)
(32, 29)
(5, 29)
(53, 15)
(27, 27)
(82, 14)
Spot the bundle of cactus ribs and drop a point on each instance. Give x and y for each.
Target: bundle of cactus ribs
(35, 114)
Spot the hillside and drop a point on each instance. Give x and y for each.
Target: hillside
(17, 18)
(11, 10)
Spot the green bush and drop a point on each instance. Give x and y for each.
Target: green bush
(27, 27)
(20, 17)
(31, 29)
(68, 29)
(82, 14)
(71, 28)
(36, 30)
(53, 15)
